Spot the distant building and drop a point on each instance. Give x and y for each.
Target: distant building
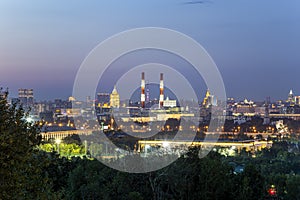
(206, 106)
(245, 107)
(26, 96)
(169, 103)
(41, 107)
(297, 100)
(115, 98)
(291, 97)
(47, 116)
(62, 104)
(103, 99)
(71, 99)
(208, 100)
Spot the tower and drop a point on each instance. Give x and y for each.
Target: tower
(143, 90)
(290, 97)
(161, 91)
(208, 99)
(115, 98)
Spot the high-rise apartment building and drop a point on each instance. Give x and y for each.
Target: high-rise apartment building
(115, 98)
(26, 96)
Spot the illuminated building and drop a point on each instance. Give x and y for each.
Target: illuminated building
(115, 98)
(297, 100)
(103, 99)
(291, 97)
(169, 103)
(71, 99)
(207, 103)
(245, 107)
(26, 96)
(208, 99)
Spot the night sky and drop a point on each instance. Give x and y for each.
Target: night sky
(255, 43)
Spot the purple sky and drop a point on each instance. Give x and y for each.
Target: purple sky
(255, 44)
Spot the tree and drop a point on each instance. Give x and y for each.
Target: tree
(191, 177)
(293, 187)
(21, 164)
(251, 184)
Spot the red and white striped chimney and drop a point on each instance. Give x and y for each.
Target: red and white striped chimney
(143, 90)
(161, 91)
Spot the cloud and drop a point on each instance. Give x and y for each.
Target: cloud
(195, 2)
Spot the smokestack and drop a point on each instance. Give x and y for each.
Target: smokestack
(161, 91)
(143, 90)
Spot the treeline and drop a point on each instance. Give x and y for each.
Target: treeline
(48, 176)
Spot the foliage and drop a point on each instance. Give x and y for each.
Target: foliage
(21, 163)
(67, 150)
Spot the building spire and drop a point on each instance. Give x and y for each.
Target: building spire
(114, 90)
(207, 93)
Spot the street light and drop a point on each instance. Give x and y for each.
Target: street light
(58, 141)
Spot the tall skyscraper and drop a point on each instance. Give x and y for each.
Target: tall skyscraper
(115, 98)
(205, 109)
(291, 97)
(208, 99)
(26, 96)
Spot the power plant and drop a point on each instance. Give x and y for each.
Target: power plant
(161, 91)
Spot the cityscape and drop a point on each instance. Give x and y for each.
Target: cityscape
(248, 125)
(147, 127)
(59, 114)
(150, 100)
(157, 125)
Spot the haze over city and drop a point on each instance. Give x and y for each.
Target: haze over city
(254, 43)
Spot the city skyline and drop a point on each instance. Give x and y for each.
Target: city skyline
(254, 43)
(135, 95)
